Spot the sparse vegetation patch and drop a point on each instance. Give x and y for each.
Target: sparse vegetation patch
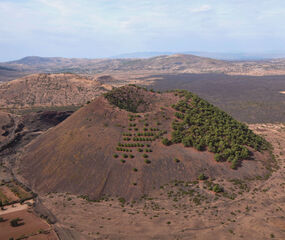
(129, 98)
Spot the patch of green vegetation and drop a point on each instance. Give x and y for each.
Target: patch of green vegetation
(130, 145)
(124, 150)
(146, 134)
(16, 222)
(217, 188)
(166, 142)
(201, 125)
(128, 98)
(3, 198)
(142, 139)
(147, 161)
(202, 176)
(20, 192)
(176, 160)
(122, 200)
(127, 134)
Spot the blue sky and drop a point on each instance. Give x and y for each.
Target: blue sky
(101, 28)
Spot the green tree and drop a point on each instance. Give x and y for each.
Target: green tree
(166, 142)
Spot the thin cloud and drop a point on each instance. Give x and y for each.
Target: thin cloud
(203, 8)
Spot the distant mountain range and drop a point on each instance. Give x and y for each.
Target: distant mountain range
(216, 55)
(176, 63)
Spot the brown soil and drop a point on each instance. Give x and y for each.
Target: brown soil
(8, 193)
(5, 121)
(32, 225)
(257, 211)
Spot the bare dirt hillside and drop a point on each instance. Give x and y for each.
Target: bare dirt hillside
(104, 149)
(17, 131)
(254, 210)
(49, 90)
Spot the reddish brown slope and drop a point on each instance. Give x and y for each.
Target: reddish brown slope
(77, 155)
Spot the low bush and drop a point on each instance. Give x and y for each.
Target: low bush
(16, 222)
(166, 142)
(217, 188)
(202, 176)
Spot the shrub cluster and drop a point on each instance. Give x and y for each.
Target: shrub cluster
(130, 145)
(127, 98)
(127, 134)
(202, 176)
(123, 149)
(148, 150)
(143, 139)
(145, 134)
(166, 142)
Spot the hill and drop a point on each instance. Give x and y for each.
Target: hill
(131, 141)
(76, 65)
(46, 90)
(177, 63)
(216, 55)
(8, 74)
